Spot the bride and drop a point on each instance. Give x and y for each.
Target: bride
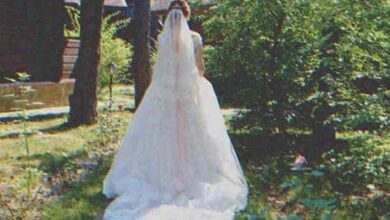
(176, 161)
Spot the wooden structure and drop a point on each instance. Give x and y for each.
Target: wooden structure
(70, 57)
(16, 33)
(32, 41)
(29, 42)
(72, 44)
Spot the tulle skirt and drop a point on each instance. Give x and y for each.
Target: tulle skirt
(176, 162)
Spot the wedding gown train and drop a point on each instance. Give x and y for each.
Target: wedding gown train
(176, 161)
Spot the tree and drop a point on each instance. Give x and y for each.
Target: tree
(296, 64)
(141, 60)
(83, 101)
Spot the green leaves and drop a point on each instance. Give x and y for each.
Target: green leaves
(114, 51)
(299, 53)
(319, 203)
(73, 29)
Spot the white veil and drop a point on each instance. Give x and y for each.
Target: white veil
(175, 73)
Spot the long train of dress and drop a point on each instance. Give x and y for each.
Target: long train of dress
(176, 162)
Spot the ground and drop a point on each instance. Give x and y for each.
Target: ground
(275, 189)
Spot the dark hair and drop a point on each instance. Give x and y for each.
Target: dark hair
(181, 4)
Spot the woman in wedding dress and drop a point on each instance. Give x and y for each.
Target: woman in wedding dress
(176, 161)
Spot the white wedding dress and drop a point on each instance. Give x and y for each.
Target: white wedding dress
(176, 161)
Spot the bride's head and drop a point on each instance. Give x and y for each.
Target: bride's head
(183, 6)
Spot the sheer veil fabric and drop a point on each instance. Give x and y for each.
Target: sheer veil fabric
(176, 161)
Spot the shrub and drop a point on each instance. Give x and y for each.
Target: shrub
(72, 28)
(114, 51)
(360, 167)
(294, 63)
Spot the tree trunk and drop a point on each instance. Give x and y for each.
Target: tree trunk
(128, 36)
(324, 135)
(83, 101)
(141, 59)
(155, 26)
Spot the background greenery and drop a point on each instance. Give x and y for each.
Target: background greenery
(114, 50)
(300, 63)
(311, 78)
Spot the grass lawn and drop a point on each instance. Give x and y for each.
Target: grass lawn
(49, 143)
(84, 201)
(267, 171)
(49, 137)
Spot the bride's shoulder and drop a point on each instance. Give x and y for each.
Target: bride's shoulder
(196, 37)
(195, 34)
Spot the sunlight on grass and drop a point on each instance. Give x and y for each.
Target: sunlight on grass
(48, 136)
(84, 201)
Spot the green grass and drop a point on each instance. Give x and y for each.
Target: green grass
(51, 142)
(121, 96)
(265, 171)
(12, 149)
(49, 138)
(265, 174)
(84, 201)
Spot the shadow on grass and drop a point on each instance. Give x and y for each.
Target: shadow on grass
(54, 164)
(255, 147)
(83, 200)
(266, 160)
(33, 118)
(50, 130)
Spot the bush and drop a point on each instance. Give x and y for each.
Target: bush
(360, 167)
(72, 27)
(294, 63)
(114, 51)
(350, 182)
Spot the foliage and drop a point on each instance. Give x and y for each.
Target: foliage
(360, 167)
(108, 132)
(294, 66)
(371, 113)
(350, 183)
(72, 29)
(114, 51)
(297, 63)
